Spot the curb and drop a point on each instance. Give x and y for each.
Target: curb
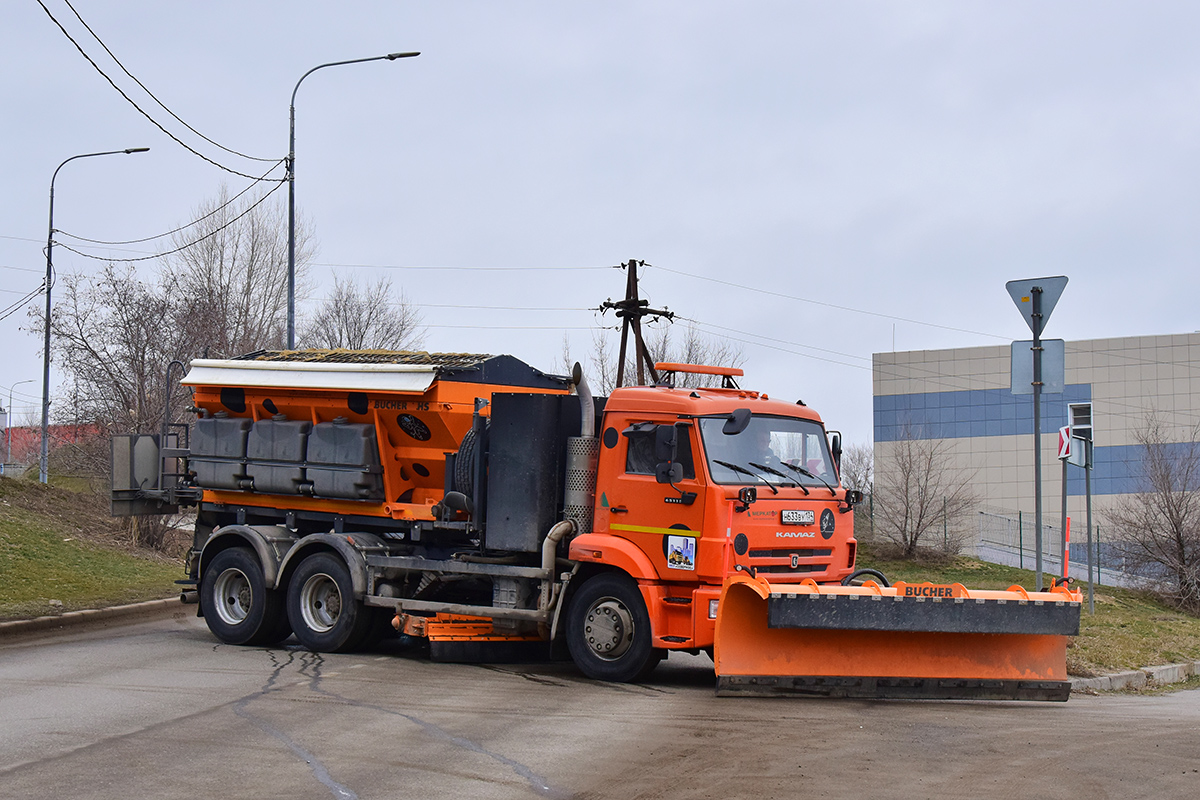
(1139, 678)
(91, 616)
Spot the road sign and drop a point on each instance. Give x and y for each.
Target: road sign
(1054, 366)
(1022, 294)
(1080, 452)
(1064, 443)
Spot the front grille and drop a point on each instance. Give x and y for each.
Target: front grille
(791, 561)
(788, 569)
(787, 553)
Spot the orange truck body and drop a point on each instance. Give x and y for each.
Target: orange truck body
(491, 509)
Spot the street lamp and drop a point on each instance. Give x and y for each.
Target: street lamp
(291, 178)
(45, 462)
(8, 424)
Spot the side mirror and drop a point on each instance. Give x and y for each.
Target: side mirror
(737, 422)
(668, 472)
(835, 449)
(853, 497)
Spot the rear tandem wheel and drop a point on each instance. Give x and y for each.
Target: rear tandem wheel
(236, 603)
(322, 608)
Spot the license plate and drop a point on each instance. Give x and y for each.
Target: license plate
(798, 517)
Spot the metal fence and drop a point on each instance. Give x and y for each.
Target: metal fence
(1010, 538)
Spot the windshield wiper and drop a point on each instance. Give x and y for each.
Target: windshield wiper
(773, 471)
(803, 471)
(745, 471)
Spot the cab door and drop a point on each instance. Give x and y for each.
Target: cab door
(664, 521)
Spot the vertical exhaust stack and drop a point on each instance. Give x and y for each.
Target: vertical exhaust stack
(583, 451)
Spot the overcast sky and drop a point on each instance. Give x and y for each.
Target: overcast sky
(821, 180)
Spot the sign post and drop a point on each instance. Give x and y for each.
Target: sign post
(1035, 299)
(1064, 455)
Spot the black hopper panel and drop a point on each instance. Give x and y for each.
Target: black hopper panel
(527, 442)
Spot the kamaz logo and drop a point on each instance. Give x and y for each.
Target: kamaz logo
(795, 534)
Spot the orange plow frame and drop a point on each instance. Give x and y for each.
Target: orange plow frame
(907, 640)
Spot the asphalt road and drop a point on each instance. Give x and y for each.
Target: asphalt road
(161, 710)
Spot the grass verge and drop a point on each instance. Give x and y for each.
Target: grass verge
(1129, 630)
(60, 545)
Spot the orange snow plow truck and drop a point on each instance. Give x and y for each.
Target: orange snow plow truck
(500, 513)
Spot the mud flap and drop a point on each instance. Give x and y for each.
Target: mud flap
(873, 642)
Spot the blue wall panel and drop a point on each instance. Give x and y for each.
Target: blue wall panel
(979, 412)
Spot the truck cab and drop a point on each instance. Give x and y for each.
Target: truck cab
(694, 484)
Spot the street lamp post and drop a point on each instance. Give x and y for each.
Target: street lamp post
(45, 461)
(291, 178)
(8, 424)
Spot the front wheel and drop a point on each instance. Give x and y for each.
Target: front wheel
(236, 603)
(322, 608)
(608, 630)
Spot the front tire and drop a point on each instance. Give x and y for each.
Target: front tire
(322, 608)
(608, 630)
(236, 603)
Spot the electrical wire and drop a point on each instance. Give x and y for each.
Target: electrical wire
(19, 269)
(208, 235)
(138, 108)
(161, 105)
(523, 327)
(8, 311)
(799, 299)
(197, 221)
(456, 268)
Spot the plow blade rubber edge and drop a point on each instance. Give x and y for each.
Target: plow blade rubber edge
(776, 641)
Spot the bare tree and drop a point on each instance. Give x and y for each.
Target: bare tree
(858, 467)
(234, 278)
(373, 317)
(692, 348)
(1159, 527)
(113, 335)
(920, 494)
(858, 472)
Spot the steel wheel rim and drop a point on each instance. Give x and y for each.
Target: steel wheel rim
(608, 628)
(320, 603)
(234, 596)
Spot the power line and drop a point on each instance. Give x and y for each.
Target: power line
(7, 312)
(525, 327)
(19, 269)
(208, 235)
(458, 268)
(138, 108)
(161, 105)
(799, 299)
(197, 221)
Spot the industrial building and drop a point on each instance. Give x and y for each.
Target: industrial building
(964, 398)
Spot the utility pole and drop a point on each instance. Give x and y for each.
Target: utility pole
(630, 311)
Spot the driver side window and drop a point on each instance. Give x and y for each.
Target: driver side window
(639, 453)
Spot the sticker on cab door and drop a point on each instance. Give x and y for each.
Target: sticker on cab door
(681, 552)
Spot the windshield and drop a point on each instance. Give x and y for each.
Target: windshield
(777, 450)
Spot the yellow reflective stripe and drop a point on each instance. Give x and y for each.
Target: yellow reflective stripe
(648, 529)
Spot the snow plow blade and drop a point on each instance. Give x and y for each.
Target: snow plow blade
(904, 641)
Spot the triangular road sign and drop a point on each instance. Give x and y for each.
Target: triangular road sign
(1022, 294)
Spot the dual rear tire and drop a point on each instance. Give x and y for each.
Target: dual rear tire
(319, 604)
(322, 608)
(236, 603)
